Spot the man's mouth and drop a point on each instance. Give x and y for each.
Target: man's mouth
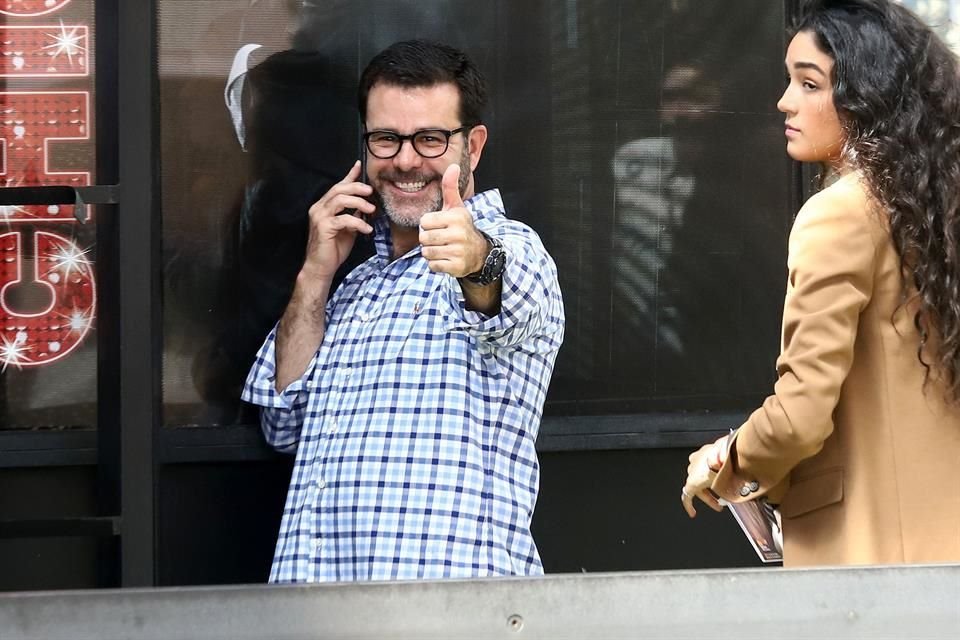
(410, 187)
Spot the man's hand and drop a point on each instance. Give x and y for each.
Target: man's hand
(703, 468)
(332, 233)
(450, 243)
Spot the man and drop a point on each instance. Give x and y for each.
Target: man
(413, 395)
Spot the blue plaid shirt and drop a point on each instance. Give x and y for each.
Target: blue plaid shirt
(414, 424)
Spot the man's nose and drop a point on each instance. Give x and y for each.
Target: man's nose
(407, 158)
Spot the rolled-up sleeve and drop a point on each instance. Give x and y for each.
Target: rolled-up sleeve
(833, 247)
(281, 413)
(530, 302)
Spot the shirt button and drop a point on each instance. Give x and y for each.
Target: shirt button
(315, 543)
(321, 484)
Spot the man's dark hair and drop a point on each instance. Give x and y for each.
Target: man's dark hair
(419, 63)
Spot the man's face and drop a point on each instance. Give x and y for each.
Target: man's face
(407, 185)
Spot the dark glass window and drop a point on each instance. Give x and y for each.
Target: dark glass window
(640, 139)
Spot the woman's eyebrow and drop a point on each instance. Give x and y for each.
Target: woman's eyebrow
(808, 65)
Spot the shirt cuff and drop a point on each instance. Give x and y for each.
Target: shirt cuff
(261, 385)
(522, 293)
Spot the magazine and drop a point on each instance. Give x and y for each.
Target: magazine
(760, 522)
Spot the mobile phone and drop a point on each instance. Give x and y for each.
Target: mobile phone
(363, 170)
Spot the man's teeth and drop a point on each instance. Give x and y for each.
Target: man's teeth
(410, 186)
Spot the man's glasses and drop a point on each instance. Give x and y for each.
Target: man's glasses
(429, 143)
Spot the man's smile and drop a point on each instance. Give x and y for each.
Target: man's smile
(410, 187)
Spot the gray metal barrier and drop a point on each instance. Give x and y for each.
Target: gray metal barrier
(917, 602)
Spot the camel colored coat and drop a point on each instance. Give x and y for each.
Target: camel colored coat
(864, 461)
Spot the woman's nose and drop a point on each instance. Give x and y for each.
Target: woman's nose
(784, 104)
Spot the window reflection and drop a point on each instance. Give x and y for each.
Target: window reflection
(681, 243)
(686, 199)
(204, 180)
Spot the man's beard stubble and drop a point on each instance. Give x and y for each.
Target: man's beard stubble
(402, 219)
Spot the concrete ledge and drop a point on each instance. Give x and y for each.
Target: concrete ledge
(918, 602)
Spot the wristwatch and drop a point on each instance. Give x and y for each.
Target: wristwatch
(493, 266)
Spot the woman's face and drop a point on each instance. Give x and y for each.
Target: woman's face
(813, 129)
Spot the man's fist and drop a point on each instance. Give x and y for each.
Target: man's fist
(450, 243)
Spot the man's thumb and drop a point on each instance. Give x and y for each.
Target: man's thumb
(451, 187)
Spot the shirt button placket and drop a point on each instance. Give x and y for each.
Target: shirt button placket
(316, 543)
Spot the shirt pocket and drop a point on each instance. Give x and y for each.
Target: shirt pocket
(813, 492)
(405, 323)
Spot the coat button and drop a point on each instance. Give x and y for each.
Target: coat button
(744, 491)
(754, 485)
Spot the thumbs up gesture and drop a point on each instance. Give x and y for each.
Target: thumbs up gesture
(450, 243)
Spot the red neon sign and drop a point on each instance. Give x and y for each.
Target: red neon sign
(34, 126)
(47, 285)
(46, 313)
(44, 51)
(30, 8)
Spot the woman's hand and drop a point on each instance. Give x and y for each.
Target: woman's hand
(704, 465)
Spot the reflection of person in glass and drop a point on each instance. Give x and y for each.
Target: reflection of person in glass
(299, 125)
(860, 441)
(412, 397)
(678, 244)
(653, 188)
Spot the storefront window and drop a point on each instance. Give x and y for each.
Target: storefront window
(48, 288)
(639, 138)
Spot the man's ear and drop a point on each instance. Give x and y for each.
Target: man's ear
(477, 139)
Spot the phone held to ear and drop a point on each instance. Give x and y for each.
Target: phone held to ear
(363, 179)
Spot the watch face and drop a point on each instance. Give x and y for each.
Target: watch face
(497, 261)
(492, 267)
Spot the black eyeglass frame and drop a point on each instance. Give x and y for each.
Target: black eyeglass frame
(446, 133)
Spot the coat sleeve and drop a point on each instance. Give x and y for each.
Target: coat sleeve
(832, 255)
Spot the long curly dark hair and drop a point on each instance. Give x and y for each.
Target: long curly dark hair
(896, 88)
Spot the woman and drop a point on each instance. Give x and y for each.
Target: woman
(860, 442)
